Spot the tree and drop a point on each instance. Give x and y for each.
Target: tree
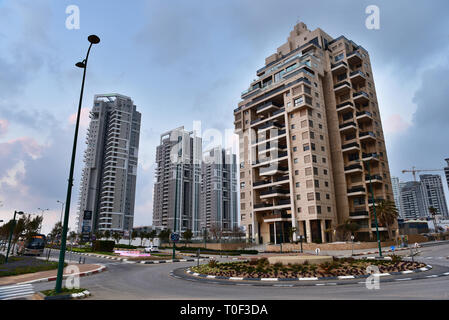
(387, 214)
(216, 231)
(117, 236)
(152, 235)
(164, 235)
(143, 235)
(98, 235)
(133, 235)
(433, 212)
(56, 232)
(72, 236)
(107, 234)
(347, 229)
(187, 235)
(291, 232)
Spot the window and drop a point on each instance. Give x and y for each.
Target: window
(298, 197)
(319, 115)
(314, 158)
(328, 196)
(321, 137)
(293, 137)
(324, 160)
(306, 147)
(305, 135)
(328, 209)
(311, 209)
(303, 123)
(295, 160)
(311, 123)
(318, 209)
(292, 115)
(313, 146)
(325, 172)
(320, 126)
(310, 196)
(326, 183)
(308, 171)
(293, 126)
(317, 183)
(296, 172)
(299, 209)
(297, 184)
(295, 149)
(339, 56)
(242, 185)
(317, 196)
(299, 101)
(307, 158)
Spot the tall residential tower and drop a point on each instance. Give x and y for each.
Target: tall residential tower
(108, 184)
(310, 133)
(432, 187)
(219, 206)
(176, 201)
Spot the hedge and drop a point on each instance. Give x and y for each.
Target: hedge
(103, 245)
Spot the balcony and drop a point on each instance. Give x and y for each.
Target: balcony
(339, 67)
(350, 147)
(270, 125)
(367, 136)
(359, 215)
(353, 168)
(275, 158)
(364, 115)
(269, 183)
(279, 134)
(283, 216)
(356, 191)
(361, 97)
(374, 178)
(354, 57)
(264, 206)
(348, 126)
(342, 87)
(274, 193)
(376, 201)
(267, 107)
(272, 170)
(303, 102)
(370, 156)
(345, 106)
(272, 149)
(357, 76)
(276, 114)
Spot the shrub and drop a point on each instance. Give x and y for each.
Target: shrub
(103, 245)
(2, 259)
(212, 264)
(262, 262)
(395, 258)
(125, 246)
(278, 265)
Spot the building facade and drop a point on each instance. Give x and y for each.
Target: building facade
(432, 187)
(176, 201)
(108, 183)
(396, 185)
(219, 203)
(413, 202)
(310, 132)
(446, 171)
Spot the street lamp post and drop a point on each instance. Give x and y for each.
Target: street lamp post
(93, 39)
(42, 214)
(13, 224)
(374, 210)
(62, 209)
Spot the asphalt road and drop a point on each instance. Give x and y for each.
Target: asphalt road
(138, 282)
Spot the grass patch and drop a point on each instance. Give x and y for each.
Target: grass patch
(64, 291)
(45, 266)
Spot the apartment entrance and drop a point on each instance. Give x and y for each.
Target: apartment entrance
(315, 230)
(280, 232)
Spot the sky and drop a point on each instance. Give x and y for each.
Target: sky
(185, 61)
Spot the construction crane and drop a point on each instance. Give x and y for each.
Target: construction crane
(414, 171)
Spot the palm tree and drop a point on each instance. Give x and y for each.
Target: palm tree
(98, 235)
(107, 234)
(349, 227)
(433, 212)
(387, 214)
(187, 235)
(134, 234)
(152, 235)
(291, 232)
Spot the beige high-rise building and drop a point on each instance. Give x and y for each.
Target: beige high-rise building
(309, 126)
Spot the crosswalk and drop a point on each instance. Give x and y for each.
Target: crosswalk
(16, 291)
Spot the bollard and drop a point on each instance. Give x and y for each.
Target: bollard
(84, 260)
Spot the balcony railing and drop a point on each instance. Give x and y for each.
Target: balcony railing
(271, 124)
(268, 169)
(344, 104)
(359, 213)
(347, 124)
(265, 105)
(273, 191)
(358, 72)
(353, 166)
(357, 189)
(360, 93)
(369, 155)
(361, 113)
(373, 177)
(279, 133)
(342, 84)
(350, 145)
(339, 64)
(367, 133)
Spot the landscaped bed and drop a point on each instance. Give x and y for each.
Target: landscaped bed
(260, 268)
(154, 257)
(24, 264)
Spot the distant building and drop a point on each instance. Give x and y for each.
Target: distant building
(412, 200)
(446, 171)
(219, 190)
(176, 202)
(108, 183)
(397, 195)
(148, 229)
(433, 193)
(413, 227)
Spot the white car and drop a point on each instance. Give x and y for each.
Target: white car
(152, 249)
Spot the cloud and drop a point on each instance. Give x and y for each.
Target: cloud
(395, 124)
(4, 124)
(84, 118)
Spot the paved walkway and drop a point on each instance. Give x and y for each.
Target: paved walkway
(83, 268)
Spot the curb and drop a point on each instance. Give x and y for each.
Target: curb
(81, 295)
(99, 256)
(423, 269)
(81, 274)
(372, 252)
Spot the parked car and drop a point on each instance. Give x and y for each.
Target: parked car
(152, 248)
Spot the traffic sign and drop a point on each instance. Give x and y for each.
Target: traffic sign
(174, 237)
(392, 248)
(317, 251)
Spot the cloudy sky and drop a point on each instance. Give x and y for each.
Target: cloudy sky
(182, 61)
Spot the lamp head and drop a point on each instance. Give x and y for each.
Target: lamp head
(93, 39)
(81, 65)
(20, 212)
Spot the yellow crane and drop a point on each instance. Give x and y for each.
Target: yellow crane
(414, 171)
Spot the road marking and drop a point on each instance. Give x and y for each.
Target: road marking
(308, 279)
(345, 277)
(236, 278)
(269, 279)
(432, 276)
(407, 271)
(16, 291)
(403, 279)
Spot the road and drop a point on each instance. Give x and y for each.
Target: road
(137, 282)
(140, 282)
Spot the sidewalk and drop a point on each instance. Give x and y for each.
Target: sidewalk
(50, 275)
